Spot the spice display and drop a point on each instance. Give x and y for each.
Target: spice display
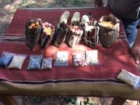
(61, 58)
(85, 29)
(46, 63)
(17, 61)
(6, 58)
(35, 62)
(129, 78)
(92, 57)
(79, 59)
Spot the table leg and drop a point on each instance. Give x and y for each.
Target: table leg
(118, 101)
(8, 100)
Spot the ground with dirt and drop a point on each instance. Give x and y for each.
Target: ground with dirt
(7, 10)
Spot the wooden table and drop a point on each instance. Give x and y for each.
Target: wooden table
(102, 84)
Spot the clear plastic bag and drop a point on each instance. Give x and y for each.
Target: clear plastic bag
(129, 78)
(61, 58)
(92, 57)
(35, 62)
(46, 63)
(79, 59)
(17, 61)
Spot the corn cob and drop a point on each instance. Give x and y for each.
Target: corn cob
(64, 17)
(75, 17)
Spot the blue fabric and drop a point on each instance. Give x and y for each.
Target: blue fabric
(138, 85)
(35, 62)
(130, 26)
(5, 59)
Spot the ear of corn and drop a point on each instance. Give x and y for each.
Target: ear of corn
(75, 17)
(64, 17)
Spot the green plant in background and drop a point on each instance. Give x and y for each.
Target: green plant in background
(65, 3)
(47, 3)
(6, 1)
(78, 3)
(76, 101)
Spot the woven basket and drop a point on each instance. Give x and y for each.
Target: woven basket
(108, 33)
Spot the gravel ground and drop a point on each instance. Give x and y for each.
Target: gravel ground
(7, 10)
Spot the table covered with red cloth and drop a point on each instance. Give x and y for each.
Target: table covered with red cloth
(99, 80)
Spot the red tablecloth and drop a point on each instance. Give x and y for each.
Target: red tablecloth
(112, 60)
